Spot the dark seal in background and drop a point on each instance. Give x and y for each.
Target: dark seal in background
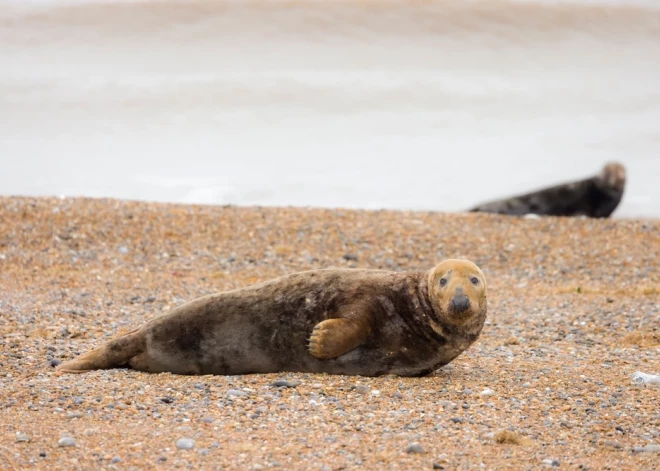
(595, 197)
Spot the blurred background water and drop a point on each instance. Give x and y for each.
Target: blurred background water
(428, 105)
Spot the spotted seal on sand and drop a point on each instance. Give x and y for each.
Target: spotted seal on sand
(595, 197)
(337, 321)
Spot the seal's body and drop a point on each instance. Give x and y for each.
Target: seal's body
(337, 321)
(595, 197)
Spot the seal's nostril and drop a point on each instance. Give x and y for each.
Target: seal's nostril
(460, 303)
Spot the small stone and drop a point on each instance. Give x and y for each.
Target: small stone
(487, 392)
(438, 466)
(644, 378)
(650, 448)
(375, 393)
(208, 420)
(116, 459)
(22, 438)
(236, 393)
(42, 454)
(54, 362)
(78, 401)
(350, 257)
(66, 441)
(398, 395)
(612, 444)
(185, 443)
(362, 389)
(550, 463)
(283, 383)
(456, 420)
(414, 447)
(74, 415)
(167, 400)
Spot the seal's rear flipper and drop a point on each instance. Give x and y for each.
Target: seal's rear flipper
(115, 353)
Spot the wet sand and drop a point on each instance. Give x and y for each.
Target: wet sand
(573, 313)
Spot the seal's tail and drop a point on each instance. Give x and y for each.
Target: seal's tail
(114, 353)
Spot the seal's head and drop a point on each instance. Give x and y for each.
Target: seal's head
(457, 289)
(613, 175)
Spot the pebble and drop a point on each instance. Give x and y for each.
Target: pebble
(644, 378)
(116, 459)
(54, 362)
(362, 389)
(414, 447)
(66, 441)
(74, 415)
(550, 463)
(185, 443)
(236, 393)
(167, 400)
(612, 444)
(647, 449)
(350, 257)
(487, 392)
(283, 383)
(22, 438)
(208, 420)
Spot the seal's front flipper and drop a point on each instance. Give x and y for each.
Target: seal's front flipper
(334, 337)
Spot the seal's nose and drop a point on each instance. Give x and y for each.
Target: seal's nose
(460, 303)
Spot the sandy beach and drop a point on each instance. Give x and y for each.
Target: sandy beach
(573, 313)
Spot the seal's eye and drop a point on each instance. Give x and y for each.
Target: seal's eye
(474, 280)
(443, 281)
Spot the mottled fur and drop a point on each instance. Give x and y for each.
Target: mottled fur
(595, 197)
(338, 321)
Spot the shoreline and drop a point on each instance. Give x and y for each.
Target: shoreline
(574, 306)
